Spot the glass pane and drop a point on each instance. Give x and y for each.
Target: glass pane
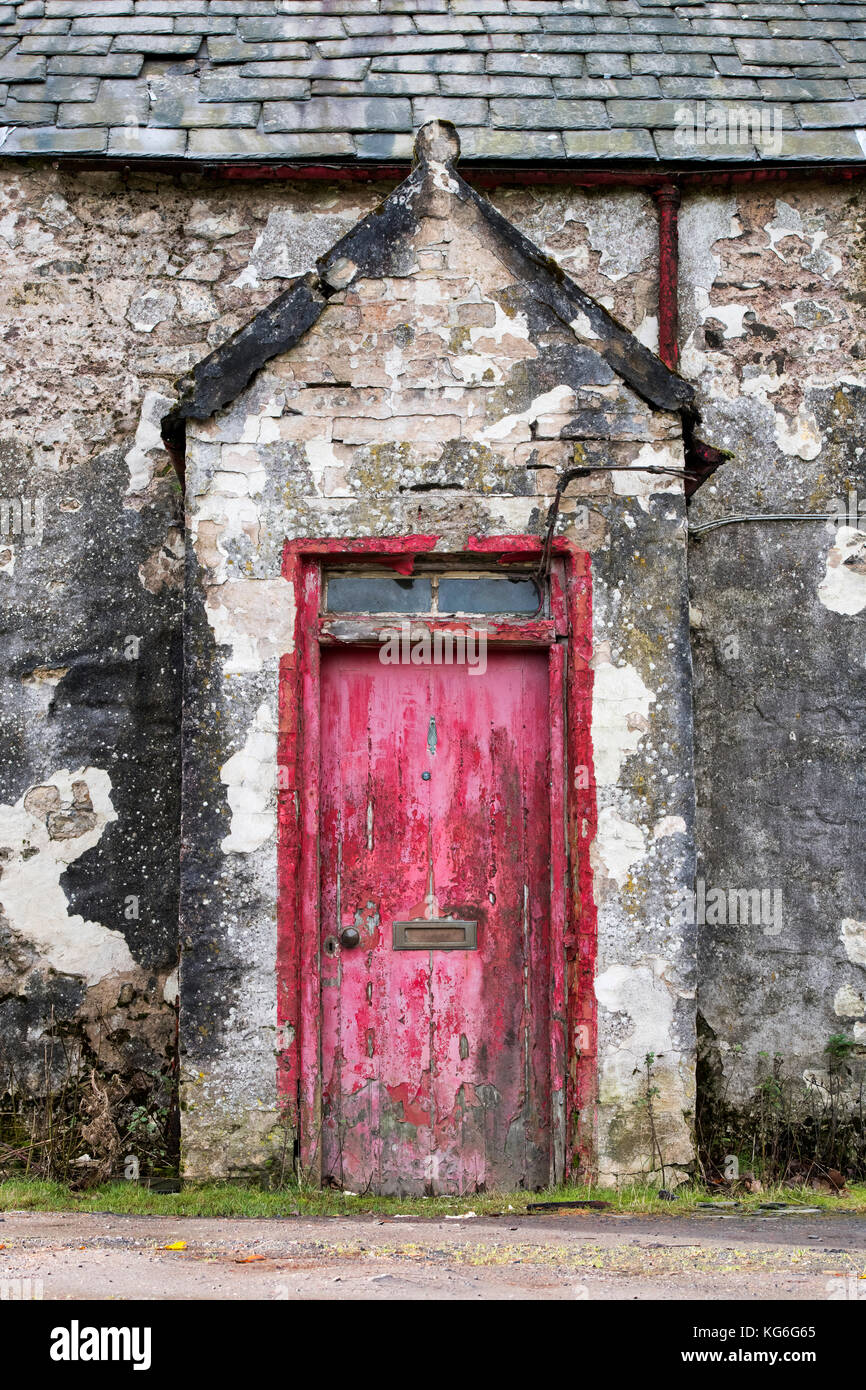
(488, 595)
(357, 593)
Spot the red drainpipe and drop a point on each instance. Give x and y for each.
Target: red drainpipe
(668, 199)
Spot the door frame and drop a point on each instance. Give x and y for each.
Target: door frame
(567, 637)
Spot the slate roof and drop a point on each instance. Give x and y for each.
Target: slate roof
(525, 81)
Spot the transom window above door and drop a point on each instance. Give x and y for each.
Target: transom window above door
(452, 593)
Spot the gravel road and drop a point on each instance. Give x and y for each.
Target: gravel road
(581, 1255)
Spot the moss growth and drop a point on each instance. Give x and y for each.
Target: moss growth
(229, 1199)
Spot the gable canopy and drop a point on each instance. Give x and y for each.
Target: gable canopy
(381, 244)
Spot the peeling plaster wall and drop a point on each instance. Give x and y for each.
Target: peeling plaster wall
(643, 855)
(89, 786)
(114, 284)
(90, 619)
(772, 296)
(432, 401)
(131, 278)
(111, 285)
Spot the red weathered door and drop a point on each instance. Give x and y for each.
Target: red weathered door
(435, 804)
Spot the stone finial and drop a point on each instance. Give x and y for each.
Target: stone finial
(437, 140)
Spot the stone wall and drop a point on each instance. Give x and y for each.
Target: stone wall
(772, 295)
(114, 284)
(89, 731)
(111, 285)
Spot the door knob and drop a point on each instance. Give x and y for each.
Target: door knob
(350, 937)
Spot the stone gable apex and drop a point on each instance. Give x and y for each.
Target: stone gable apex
(383, 244)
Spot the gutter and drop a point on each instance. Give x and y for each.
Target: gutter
(485, 174)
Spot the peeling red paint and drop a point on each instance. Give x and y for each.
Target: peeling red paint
(581, 829)
(469, 841)
(510, 547)
(413, 1112)
(396, 553)
(438, 1121)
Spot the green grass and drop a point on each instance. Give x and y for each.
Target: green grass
(230, 1199)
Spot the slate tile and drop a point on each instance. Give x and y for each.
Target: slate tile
(484, 143)
(118, 24)
(536, 64)
(609, 144)
(58, 89)
(602, 89)
(671, 149)
(252, 144)
(116, 103)
(233, 50)
(549, 115)
(465, 111)
(28, 112)
(486, 85)
(822, 145)
(175, 102)
(382, 145)
(63, 43)
(607, 65)
(173, 45)
(345, 68)
(702, 88)
(378, 46)
(217, 87)
(831, 113)
(114, 65)
(50, 140)
(78, 9)
(781, 52)
(428, 62)
(291, 27)
(674, 64)
(339, 114)
(145, 140)
(380, 84)
(27, 68)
